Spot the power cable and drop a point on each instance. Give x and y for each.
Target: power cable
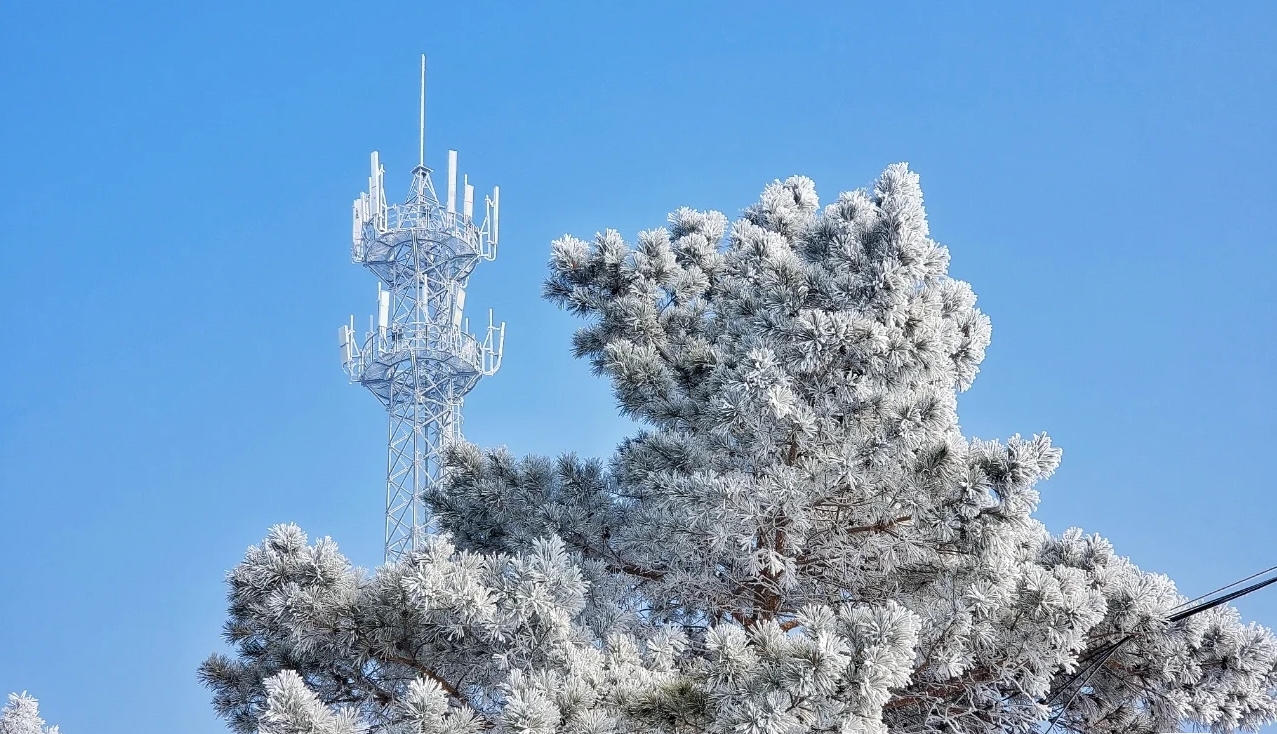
(1223, 588)
(1101, 655)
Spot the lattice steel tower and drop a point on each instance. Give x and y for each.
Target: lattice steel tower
(418, 356)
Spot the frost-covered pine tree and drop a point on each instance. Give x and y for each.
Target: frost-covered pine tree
(800, 540)
(22, 716)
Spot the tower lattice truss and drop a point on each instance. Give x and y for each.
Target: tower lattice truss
(418, 355)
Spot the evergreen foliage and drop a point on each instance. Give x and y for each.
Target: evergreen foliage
(22, 716)
(800, 540)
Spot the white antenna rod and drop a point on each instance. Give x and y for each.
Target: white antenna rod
(421, 161)
(496, 214)
(383, 311)
(358, 222)
(468, 201)
(375, 192)
(452, 181)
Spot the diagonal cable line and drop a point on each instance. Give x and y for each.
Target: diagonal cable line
(1187, 609)
(1224, 588)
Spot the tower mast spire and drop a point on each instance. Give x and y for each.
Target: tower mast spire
(421, 158)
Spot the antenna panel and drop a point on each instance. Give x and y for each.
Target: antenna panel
(452, 182)
(457, 308)
(357, 227)
(496, 214)
(346, 342)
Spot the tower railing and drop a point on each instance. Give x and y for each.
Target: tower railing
(373, 221)
(424, 341)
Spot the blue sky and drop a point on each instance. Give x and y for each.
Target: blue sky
(175, 183)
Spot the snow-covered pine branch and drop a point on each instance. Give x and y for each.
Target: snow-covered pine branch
(801, 539)
(21, 715)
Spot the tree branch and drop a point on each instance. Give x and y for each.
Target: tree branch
(428, 673)
(880, 526)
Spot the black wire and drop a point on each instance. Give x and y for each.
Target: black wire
(1092, 670)
(1223, 588)
(1101, 655)
(1221, 600)
(1101, 652)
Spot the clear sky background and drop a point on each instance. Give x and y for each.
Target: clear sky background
(175, 186)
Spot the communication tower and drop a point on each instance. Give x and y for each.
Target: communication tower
(418, 356)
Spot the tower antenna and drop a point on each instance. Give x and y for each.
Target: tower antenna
(418, 357)
(421, 159)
